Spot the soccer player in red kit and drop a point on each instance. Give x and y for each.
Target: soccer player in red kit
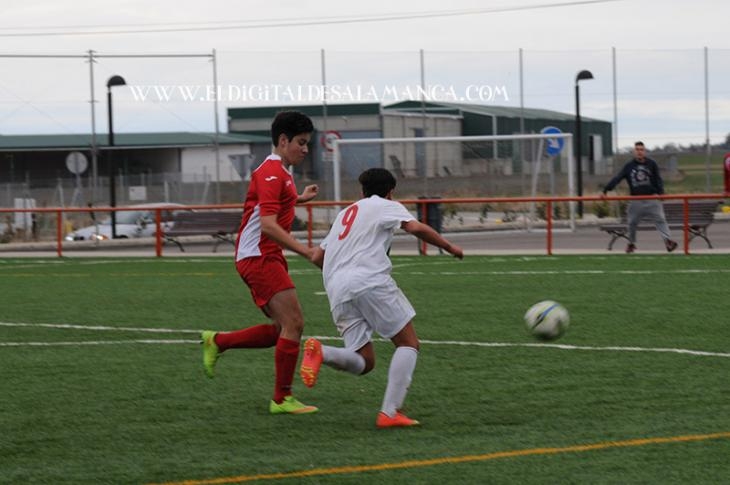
(265, 229)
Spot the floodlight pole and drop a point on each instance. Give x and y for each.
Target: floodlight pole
(113, 81)
(579, 139)
(216, 140)
(94, 154)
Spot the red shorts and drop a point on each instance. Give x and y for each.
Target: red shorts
(265, 276)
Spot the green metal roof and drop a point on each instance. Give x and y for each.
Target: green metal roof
(127, 140)
(431, 107)
(477, 120)
(269, 112)
(487, 110)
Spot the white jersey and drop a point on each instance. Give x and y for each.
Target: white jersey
(355, 257)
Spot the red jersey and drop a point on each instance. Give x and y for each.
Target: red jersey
(271, 192)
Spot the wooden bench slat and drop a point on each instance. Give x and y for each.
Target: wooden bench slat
(219, 225)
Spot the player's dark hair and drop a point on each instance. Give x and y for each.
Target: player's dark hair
(639, 144)
(376, 181)
(291, 124)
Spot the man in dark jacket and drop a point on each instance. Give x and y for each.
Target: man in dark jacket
(642, 175)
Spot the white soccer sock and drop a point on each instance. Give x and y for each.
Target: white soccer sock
(400, 375)
(343, 359)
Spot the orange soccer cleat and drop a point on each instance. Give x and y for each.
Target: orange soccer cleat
(311, 362)
(400, 420)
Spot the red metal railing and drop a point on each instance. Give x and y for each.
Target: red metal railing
(549, 201)
(423, 203)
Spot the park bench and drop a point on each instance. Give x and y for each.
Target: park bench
(701, 215)
(220, 225)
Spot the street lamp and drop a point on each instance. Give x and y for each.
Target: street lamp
(113, 81)
(578, 139)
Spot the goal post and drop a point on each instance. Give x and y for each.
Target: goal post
(499, 160)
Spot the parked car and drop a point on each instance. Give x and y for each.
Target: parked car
(129, 224)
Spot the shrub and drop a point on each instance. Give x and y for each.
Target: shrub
(601, 209)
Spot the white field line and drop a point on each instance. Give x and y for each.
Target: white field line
(100, 328)
(698, 353)
(28, 263)
(314, 271)
(579, 347)
(95, 342)
(564, 272)
(398, 267)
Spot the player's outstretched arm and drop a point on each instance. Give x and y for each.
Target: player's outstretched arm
(317, 257)
(428, 234)
(309, 193)
(276, 233)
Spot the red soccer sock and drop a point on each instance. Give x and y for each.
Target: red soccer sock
(256, 337)
(286, 355)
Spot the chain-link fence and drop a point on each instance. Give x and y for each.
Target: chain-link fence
(676, 101)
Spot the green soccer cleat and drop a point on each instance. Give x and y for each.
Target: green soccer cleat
(210, 352)
(290, 405)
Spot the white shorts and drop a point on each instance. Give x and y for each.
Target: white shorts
(382, 309)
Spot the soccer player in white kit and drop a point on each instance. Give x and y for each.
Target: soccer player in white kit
(363, 296)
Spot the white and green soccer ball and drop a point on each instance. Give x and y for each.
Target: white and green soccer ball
(547, 320)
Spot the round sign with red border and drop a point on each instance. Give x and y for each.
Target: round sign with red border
(328, 139)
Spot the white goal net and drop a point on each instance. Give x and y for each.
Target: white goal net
(517, 166)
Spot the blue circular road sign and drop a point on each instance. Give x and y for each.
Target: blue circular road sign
(553, 145)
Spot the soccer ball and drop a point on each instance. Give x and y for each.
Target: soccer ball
(547, 320)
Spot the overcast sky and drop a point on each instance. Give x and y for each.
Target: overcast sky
(469, 46)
